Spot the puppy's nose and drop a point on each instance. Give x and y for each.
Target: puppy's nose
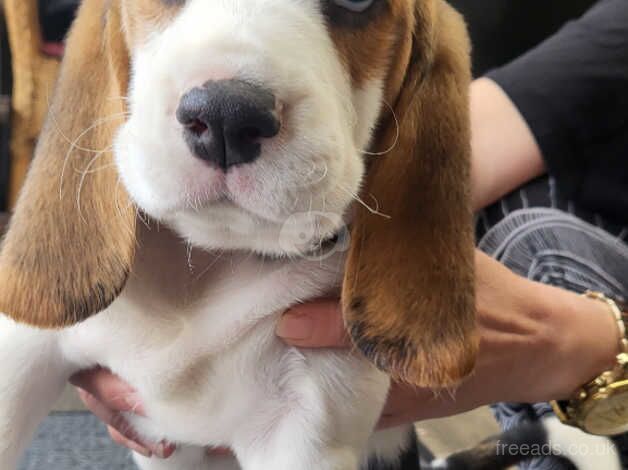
(224, 121)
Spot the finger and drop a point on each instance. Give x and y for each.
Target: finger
(219, 451)
(110, 390)
(122, 432)
(314, 325)
(404, 405)
(121, 440)
(111, 418)
(162, 450)
(408, 404)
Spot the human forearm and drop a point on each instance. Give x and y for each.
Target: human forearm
(505, 154)
(537, 343)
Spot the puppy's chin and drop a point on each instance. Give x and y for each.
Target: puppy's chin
(226, 227)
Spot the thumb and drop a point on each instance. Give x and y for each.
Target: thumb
(314, 325)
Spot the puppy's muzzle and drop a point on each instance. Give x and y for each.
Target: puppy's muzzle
(225, 121)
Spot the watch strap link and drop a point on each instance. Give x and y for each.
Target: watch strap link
(618, 314)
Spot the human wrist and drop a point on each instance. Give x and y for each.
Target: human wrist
(587, 340)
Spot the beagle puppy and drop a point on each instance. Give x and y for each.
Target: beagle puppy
(205, 166)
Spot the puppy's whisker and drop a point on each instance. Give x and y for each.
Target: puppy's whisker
(116, 199)
(118, 98)
(74, 143)
(142, 217)
(397, 135)
(210, 265)
(314, 169)
(95, 170)
(188, 252)
(374, 211)
(297, 199)
(82, 182)
(324, 175)
(126, 225)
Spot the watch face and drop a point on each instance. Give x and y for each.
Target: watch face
(609, 415)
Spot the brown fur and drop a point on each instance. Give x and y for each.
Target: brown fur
(368, 51)
(61, 263)
(408, 294)
(143, 17)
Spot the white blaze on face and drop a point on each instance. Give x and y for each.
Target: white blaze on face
(314, 163)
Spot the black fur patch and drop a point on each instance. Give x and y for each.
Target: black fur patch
(409, 460)
(357, 305)
(380, 350)
(99, 299)
(493, 454)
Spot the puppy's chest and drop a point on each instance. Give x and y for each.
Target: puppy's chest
(198, 335)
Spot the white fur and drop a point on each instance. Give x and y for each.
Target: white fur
(314, 164)
(586, 452)
(199, 346)
(194, 332)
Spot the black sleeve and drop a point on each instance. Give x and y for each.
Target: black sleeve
(573, 92)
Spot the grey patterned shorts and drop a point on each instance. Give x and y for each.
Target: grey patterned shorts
(554, 246)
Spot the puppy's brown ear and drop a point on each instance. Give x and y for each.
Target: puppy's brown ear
(408, 294)
(71, 239)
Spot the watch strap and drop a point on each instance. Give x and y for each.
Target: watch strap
(619, 314)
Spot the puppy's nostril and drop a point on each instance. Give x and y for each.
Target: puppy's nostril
(197, 127)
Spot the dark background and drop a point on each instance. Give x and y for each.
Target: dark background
(500, 29)
(56, 16)
(503, 29)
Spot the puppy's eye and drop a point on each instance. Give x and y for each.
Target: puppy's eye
(357, 6)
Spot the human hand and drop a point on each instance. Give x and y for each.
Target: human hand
(530, 334)
(107, 396)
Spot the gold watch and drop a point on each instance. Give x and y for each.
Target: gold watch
(601, 406)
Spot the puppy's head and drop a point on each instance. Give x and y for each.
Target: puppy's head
(262, 125)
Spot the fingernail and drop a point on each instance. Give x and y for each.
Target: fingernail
(164, 450)
(134, 403)
(83, 395)
(294, 326)
(140, 450)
